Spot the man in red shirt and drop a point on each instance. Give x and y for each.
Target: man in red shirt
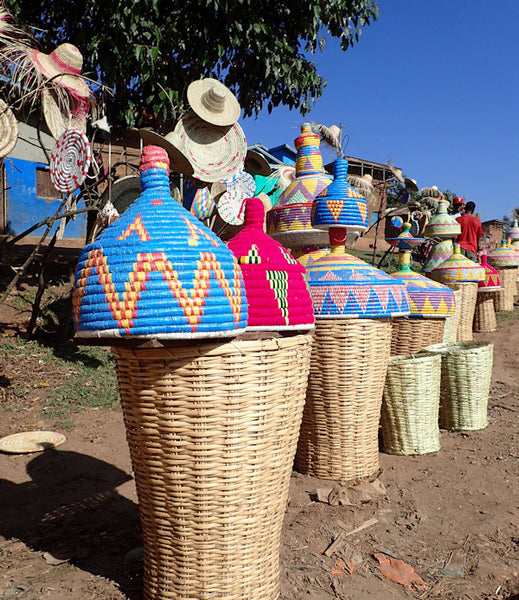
(470, 232)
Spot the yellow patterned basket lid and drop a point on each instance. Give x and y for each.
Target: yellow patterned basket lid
(443, 225)
(458, 269)
(428, 298)
(503, 257)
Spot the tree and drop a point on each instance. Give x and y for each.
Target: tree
(149, 51)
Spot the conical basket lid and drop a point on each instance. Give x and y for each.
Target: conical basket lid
(443, 225)
(277, 295)
(290, 220)
(428, 298)
(344, 286)
(458, 269)
(491, 281)
(503, 257)
(405, 240)
(157, 272)
(513, 232)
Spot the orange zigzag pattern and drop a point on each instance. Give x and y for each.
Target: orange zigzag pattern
(195, 233)
(192, 301)
(137, 227)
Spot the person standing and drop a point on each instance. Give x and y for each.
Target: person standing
(458, 205)
(470, 232)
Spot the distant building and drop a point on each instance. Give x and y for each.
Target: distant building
(493, 232)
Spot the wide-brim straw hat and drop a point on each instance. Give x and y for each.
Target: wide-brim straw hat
(213, 102)
(59, 117)
(122, 193)
(179, 162)
(63, 65)
(410, 184)
(8, 129)
(257, 164)
(216, 153)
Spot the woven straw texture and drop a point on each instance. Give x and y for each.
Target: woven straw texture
(485, 314)
(450, 330)
(412, 335)
(410, 405)
(467, 307)
(339, 433)
(212, 431)
(70, 161)
(504, 298)
(465, 384)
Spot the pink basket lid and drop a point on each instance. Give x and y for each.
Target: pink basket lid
(277, 293)
(491, 281)
(428, 298)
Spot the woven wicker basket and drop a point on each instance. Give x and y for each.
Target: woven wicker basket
(212, 430)
(450, 331)
(410, 406)
(465, 384)
(467, 307)
(339, 433)
(485, 314)
(412, 335)
(504, 298)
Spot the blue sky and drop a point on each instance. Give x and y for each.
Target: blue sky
(431, 85)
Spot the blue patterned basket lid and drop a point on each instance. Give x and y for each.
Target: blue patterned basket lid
(428, 298)
(344, 286)
(405, 240)
(340, 204)
(157, 272)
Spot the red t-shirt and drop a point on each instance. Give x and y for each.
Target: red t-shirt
(470, 232)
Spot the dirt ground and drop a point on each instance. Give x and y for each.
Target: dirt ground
(69, 523)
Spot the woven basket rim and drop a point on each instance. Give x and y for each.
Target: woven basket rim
(454, 347)
(418, 357)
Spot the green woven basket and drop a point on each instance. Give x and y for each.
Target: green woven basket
(409, 418)
(465, 384)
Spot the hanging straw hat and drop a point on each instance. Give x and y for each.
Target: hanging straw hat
(256, 163)
(216, 153)
(63, 65)
(59, 113)
(410, 184)
(171, 144)
(213, 102)
(8, 129)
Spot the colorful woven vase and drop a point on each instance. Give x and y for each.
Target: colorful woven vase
(277, 294)
(157, 271)
(513, 232)
(428, 298)
(503, 257)
(491, 281)
(339, 203)
(458, 269)
(405, 240)
(344, 286)
(443, 225)
(289, 221)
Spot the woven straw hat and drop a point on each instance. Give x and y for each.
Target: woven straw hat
(26, 442)
(216, 153)
(66, 62)
(57, 117)
(213, 102)
(8, 129)
(256, 163)
(171, 144)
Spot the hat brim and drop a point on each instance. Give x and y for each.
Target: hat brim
(56, 119)
(46, 66)
(256, 163)
(8, 129)
(231, 109)
(177, 158)
(216, 153)
(410, 184)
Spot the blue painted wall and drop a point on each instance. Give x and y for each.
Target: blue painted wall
(24, 208)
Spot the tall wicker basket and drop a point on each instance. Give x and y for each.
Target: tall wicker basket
(410, 406)
(339, 432)
(467, 307)
(504, 298)
(212, 430)
(412, 335)
(465, 384)
(485, 314)
(450, 331)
